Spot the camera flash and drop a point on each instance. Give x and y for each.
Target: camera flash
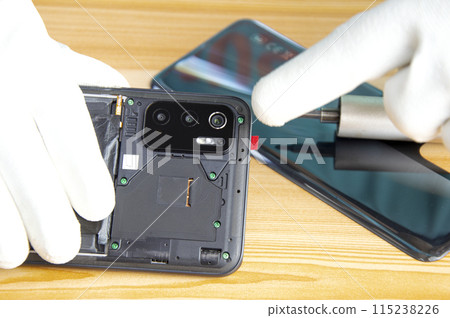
(210, 141)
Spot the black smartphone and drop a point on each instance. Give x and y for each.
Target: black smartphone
(180, 167)
(386, 187)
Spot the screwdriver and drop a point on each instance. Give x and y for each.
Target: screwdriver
(360, 117)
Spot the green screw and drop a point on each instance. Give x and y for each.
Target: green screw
(217, 224)
(225, 255)
(212, 175)
(130, 101)
(240, 120)
(114, 245)
(123, 181)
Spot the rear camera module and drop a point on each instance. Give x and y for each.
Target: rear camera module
(189, 118)
(217, 120)
(161, 116)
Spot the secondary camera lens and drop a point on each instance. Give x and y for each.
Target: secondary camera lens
(217, 120)
(189, 118)
(161, 116)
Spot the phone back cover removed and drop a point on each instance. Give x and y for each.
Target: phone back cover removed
(171, 213)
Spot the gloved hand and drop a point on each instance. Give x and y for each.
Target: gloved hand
(50, 159)
(411, 35)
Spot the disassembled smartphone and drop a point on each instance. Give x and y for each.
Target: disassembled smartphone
(180, 168)
(385, 186)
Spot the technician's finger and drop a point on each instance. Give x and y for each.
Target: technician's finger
(363, 48)
(13, 238)
(89, 71)
(445, 133)
(31, 178)
(417, 104)
(69, 136)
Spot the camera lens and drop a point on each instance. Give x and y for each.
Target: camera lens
(189, 118)
(161, 116)
(217, 120)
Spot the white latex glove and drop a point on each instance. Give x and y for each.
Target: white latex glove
(49, 155)
(412, 35)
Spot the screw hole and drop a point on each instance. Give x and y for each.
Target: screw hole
(238, 191)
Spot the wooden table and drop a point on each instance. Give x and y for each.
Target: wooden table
(297, 247)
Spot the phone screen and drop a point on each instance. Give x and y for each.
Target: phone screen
(385, 186)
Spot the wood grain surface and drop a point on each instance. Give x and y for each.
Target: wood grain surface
(297, 247)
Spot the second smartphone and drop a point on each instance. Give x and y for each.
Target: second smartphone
(387, 187)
